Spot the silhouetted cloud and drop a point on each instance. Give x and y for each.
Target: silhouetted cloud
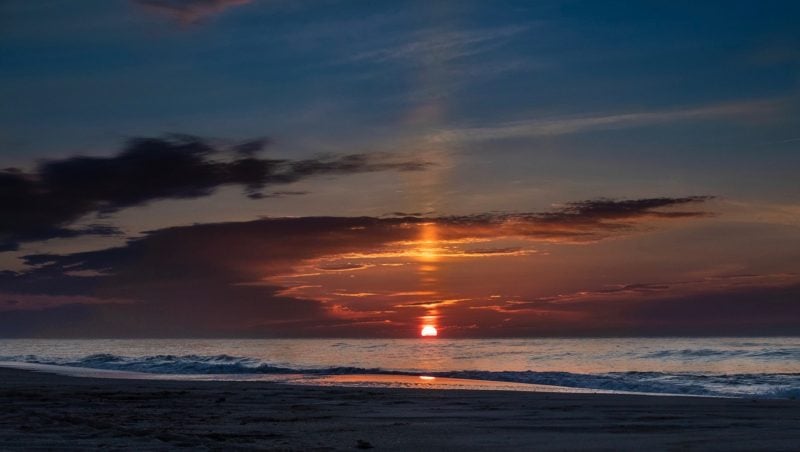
(189, 11)
(276, 194)
(42, 204)
(445, 46)
(276, 244)
(37, 233)
(221, 273)
(596, 210)
(576, 222)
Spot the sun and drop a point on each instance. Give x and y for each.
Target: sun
(429, 331)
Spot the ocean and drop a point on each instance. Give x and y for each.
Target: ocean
(763, 367)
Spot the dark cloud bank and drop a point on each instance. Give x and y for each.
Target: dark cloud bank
(42, 204)
(205, 280)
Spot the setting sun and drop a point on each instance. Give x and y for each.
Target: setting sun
(429, 331)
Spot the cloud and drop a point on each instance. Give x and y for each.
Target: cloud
(346, 266)
(540, 127)
(742, 310)
(737, 309)
(578, 222)
(45, 232)
(216, 279)
(42, 204)
(595, 211)
(189, 11)
(653, 291)
(259, 248)
(437, 45)
(206, 309)
(276, 194)
(735, 304)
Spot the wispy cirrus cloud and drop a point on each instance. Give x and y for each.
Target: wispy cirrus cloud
(439, 45)
(555, 126)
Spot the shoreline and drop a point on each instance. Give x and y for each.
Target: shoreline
(387, 381)
(54, 411)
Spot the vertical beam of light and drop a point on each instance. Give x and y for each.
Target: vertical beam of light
(428, 265)
(425, 191)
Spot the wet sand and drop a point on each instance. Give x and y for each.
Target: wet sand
(46, 411)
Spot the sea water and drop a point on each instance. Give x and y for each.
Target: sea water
(738, 367)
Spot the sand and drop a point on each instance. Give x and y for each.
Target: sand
(46, 411)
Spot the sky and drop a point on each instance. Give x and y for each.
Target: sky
(269, 168)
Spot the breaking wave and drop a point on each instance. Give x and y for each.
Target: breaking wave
(782, 385)
(724, 354)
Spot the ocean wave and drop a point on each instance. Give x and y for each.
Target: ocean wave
(723, 354)
(161, 364)
(735, 385)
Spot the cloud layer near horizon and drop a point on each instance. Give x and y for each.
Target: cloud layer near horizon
(280, 243)
(216, 279)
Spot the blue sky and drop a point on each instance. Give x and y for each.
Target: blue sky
(343, 76)
(260, 66)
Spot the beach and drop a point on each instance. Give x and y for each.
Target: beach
(48, 411)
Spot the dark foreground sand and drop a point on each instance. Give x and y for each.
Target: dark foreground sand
(43, 411)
